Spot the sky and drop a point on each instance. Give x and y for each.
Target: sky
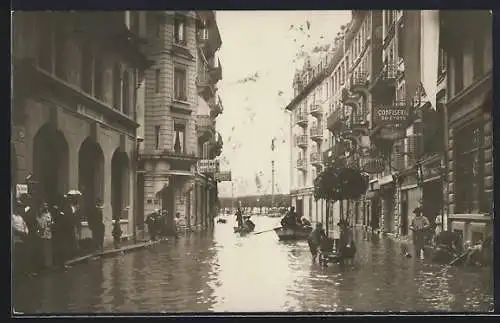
(260, 53)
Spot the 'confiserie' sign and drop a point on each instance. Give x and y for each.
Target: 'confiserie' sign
(391, 115)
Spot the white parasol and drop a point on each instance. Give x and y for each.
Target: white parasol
(74, 192)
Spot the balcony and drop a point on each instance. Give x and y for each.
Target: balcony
(358, 122)
(216, 109)
(316, 159)
(205, 83)
(316, 110)
(208, 34)
(386, 79)
(302, 164)
(335, 121)
(301, 119)
(359, 82)
(216, 71)
(317, 133)
(205, 126)
(301, 141)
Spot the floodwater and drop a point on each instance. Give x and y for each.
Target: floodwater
(221, 271)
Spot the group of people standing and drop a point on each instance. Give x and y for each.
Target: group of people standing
(244, 221)
(158, 225)
(49, 234)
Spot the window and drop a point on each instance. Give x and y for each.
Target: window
(459, 71)
(180, 30)
(157, 137)
(134, 22)
(86, 70)
(179, 138)
(98, 77)
(126, 93)
(206, 150)
(469, 169)
(478, 56)
(45, 47)
(158, 26)
(442, 62)
(117, 85)
(60, 40)
(180, 85)
(157, 80)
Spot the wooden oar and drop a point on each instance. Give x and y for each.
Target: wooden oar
(267, 230)
(454, 261)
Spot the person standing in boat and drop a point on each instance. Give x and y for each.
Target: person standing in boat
(290, 219)
(239, 217)
(314, 240)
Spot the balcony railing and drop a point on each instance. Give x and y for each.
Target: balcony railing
(316, 110)
(301, 119)
(204, 124)
(316, 159)
(302, 164)
(359, 80)
(317, 133)
(358, 121)
(389, 71)
(335, 119)
(301, 141)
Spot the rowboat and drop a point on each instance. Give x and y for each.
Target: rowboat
(287, 234)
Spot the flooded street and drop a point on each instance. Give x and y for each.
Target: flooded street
(225, 272)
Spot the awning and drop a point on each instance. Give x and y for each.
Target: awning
(202, 109)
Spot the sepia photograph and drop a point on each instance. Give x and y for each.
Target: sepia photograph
(251, 161)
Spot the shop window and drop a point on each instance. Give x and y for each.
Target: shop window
(469, 169)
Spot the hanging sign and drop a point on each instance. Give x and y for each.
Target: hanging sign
(223, 176)
(208, 166)
(392, 119)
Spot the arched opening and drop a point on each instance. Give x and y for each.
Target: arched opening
(90, 175)
(119, 184)
(50, 165)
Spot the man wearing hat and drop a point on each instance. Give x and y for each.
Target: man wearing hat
(419, 225)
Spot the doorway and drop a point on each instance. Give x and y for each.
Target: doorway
(432, 200)
(404, 213)
(300, 207)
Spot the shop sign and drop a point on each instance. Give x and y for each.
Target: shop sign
(223, 176)
(208, 166)
(391, 114)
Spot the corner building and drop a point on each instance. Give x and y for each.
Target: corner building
(180, 110)
(74, 117)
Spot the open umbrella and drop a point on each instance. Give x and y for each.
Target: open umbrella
(74, 192)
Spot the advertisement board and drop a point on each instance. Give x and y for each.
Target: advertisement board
(391, 115)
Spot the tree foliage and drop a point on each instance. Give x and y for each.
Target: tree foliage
(340, 183)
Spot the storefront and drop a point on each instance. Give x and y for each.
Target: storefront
(387, 191)
(409, 200)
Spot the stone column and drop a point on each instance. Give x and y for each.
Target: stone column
(106, 198)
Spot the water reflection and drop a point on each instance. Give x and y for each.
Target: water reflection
(225, 272)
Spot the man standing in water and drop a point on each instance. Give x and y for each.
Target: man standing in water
(315, 239)
(239, 217)
(419, 225)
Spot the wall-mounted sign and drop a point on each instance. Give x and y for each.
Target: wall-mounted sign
(208, 166)
(391, 114)
(223, 176)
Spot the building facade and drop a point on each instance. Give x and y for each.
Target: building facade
(378, 65)
(179, 120)
(469, 105)
(74, 117)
